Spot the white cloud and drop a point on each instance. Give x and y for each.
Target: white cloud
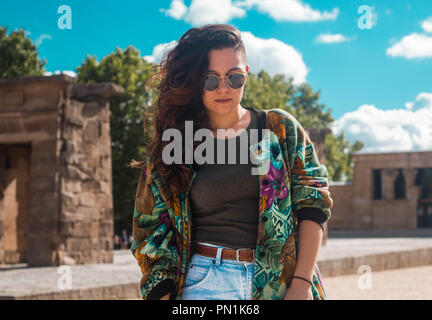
(427, 25)
(332, 38)
(41, 38)
(422, 101)
(69, 73)
(177, 9)
(159, 51)
(201, 12)
(272, 55)
(414, 45)
(409, 105)
(390, 130)
(289, 10)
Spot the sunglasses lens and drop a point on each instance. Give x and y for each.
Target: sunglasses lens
(211, 83)
(236, 80)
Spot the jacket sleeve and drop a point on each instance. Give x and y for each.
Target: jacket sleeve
(309, 178)
(153, 243)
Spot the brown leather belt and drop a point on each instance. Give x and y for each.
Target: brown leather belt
(230, 254)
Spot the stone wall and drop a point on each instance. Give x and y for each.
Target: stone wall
(355, 206)
(70, 210)
(342, 206)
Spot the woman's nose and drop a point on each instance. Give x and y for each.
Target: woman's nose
(223, 85)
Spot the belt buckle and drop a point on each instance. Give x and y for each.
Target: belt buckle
(238, 254)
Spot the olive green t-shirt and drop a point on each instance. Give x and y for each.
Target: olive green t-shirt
(225, 198)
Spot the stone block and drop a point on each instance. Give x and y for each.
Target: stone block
(91, 185)
(76, 247)
(72, 172)
(105, 161)
(91, 109)
(10, 126)
(73, 113)
(71, 186)
(88, 92)
(94, 229)
(87, 199)
(104, 199)
(106, 213)
(49, 124)
(106, 243)
(14, 98)
(106, 229)
(92, 132)
(70, 200)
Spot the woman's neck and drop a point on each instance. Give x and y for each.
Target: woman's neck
(237, 120)
(234, 120)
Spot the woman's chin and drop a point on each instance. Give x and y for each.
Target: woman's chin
(222, 109)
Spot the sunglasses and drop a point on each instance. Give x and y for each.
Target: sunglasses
(234, 81)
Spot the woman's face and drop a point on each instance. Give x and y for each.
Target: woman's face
(223, 62)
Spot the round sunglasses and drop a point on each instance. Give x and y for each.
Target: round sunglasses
(234, 81)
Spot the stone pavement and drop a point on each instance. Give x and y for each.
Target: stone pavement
(118, 280)
(345, 252)
(398, 284)
(342, 255)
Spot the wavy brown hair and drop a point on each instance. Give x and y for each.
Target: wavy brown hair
(181, 76)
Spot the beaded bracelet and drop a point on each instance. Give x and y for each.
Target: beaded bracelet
(303, 279)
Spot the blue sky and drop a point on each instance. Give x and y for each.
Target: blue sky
(363, 74)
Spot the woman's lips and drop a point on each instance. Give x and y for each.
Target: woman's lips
(223, 101)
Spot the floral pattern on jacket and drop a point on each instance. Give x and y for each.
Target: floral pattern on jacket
(291, 178)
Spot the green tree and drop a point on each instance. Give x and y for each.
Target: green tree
(265, 92)
(18, 55)
(308, 110)
(128, 139)
(339, 157)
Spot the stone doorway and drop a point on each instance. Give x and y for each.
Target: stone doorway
(424, 218)
(14, 199)
(55, 171)
(424, 209)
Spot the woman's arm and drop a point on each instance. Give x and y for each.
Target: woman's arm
(154, 245)
(309, 243)
(311, 201)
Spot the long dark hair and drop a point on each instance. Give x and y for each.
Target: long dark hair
(181, 76)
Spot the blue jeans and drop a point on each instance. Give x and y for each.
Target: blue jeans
(218, 279)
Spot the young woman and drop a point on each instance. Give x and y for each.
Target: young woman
(220, 229)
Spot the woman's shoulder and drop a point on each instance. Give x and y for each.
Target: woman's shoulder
(278, 116)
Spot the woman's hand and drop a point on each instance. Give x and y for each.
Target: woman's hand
(298, 291)
(166, 297)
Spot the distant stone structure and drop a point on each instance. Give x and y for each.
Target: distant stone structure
(56, 202)
(389, 191)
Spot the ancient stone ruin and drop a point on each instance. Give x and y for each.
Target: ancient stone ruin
(56, 202)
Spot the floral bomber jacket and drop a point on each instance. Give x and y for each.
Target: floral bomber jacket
(293, 187)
